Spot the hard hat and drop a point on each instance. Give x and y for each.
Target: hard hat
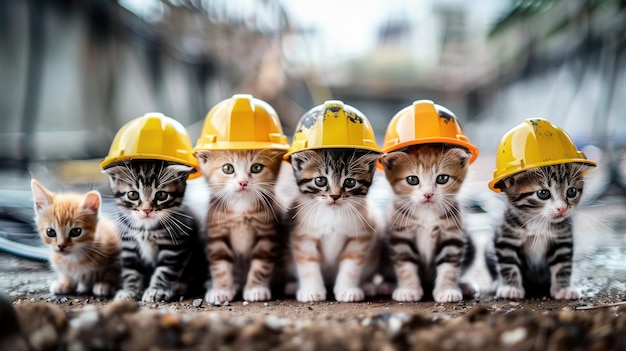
(153, 136)
(534, 143)
(333, 125)
(424, 122)
(242, 122)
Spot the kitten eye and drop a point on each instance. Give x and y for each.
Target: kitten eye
(544, 194)
(132, 195)
(161, 196)
(572, 192)
(228, 168)
(412, 180)
(442, 179)
(349, 182)
(51, 233)
(321, 181)
(256, 168)
(74, 232)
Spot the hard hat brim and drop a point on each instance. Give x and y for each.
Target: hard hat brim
(496, 183)
(113, 161)
(436, 140)
(287, 156)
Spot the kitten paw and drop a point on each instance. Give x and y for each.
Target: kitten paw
(448, 295)
(311, 295)
(407, 294)
(62, 288)
(126, 295)
(82, 289)
(257, 293)
(509, 292)
(569, 293)
(219, 296)
(156, 295)
(349, 295)
(470, 289)
(103, 289)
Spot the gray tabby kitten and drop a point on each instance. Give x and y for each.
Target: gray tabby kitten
(162, 250)
(534, 243)
(428, 247)
(333, 237)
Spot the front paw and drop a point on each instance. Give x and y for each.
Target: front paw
(127, 295)
(219, 296)
(311, 295)
(448, 295)
(354, 294)
(569, 293)
(510, 292)
(156, 295)
(407, 294)
(257, 293)
(62, 287)
(103, 289)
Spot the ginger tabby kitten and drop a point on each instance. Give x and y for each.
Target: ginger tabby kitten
(84, 243)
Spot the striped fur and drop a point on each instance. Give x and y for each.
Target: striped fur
(84, 243)
(427, 243)
(243, 222)
(160, 239)
(534, 243)
(333, 238)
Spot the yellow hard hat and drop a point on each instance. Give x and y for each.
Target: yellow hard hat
(424, 122)
(333, 125)
(153, 136)
(242, 122)
(534, 143)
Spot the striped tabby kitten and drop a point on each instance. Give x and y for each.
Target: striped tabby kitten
(534, 243)
(428, 246)
(84, 243)
(243, 241)
(332, 233)
(162, 255)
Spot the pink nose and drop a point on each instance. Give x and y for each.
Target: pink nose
(62, 247)
(562, 210)
(428, 195)
(243, 183)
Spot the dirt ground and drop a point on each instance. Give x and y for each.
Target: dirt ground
(49, 322)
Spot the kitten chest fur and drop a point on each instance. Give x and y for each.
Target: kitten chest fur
(425, 234)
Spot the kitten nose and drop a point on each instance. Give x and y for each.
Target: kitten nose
(561, 210)
(243, 183)
(62, 247)
(428, 195)
(335, 197)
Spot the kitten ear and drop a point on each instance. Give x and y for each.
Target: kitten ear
(461, 154)
(91, 202)
(183, 171)
(297, 161)
(202, 156)
(112, 173)
(390, 159)
(42, 196)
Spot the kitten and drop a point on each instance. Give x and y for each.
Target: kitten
(162, 250)
(333, 236)
(243, 234)
(534, 243)
(428, 247)
(84, 243)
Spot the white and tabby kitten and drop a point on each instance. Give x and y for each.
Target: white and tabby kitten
(333, 237)
(534, 243)
(162, 251)
(243, 234)
(428, 247)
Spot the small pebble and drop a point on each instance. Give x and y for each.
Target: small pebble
(246, 303)
(265, 304)
(197, 303)
(513, 336)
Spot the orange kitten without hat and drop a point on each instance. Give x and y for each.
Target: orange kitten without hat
(83, 243)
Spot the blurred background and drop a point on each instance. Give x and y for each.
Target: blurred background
(73, 72)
